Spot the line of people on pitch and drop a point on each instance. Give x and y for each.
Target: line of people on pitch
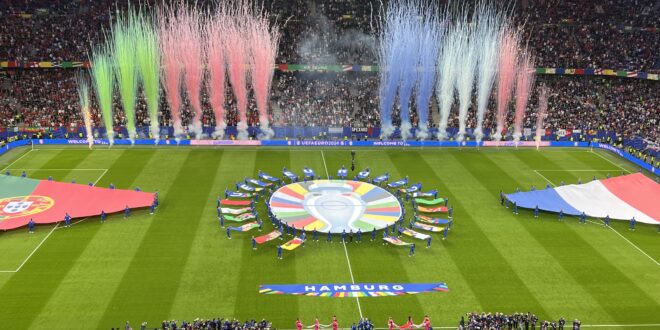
(103, 215)
(501, 321)
(366, 324)
(207, 324)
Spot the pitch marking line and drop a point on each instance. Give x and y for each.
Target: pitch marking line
(611, 169)
(327, 176)
(17, 159)
(614, 230)
(348, 261)
(611, 162)
(350, 270)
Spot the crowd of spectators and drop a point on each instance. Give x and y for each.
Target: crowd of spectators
(612, 34)
(500, 321)
(629, 107)
(563, 33)
(206, 324)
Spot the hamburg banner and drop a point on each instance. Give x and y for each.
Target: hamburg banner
(22, 199)
(353, 290)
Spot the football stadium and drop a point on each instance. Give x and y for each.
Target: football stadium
(331, 164)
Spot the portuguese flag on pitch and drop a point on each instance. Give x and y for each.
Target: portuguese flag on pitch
(22, 199)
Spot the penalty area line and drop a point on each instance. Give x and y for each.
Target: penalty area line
(17, 159)
(614, 230)
(33, 251)
(611, 162)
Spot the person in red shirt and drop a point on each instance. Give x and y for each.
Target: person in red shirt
(426, 323)
(316, 324)
(299, 325)
(335, 324)
(391, 324)
(409, 324)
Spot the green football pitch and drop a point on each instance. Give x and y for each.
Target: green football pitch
(178, 263)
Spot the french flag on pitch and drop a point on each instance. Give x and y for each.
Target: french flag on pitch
(622, 197)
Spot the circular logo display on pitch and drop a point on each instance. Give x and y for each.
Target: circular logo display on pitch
(21, 206)
(335, 205)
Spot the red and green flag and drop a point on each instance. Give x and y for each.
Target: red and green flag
(22, 199)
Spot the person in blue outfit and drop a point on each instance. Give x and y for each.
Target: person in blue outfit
(31, 226)
(127, 212)
(103, 216)
(373, 234)
(152, 208)
(329, 237)
(607, 220)
(343, 236)
(67, 220)
(428, 242)
(315, 235)
(515, 208)
(446, 232)
(261, 224)
(536, 211)
(358, 237)
(561, 215)
(228, 233)
(583, 218)
(279, 252)
(384, 236)
(412, 250)
(632, 224)
(451, 212)
(254, 243)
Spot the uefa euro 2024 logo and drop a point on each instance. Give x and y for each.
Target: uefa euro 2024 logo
(335, 206)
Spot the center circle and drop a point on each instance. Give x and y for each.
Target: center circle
(335, 206)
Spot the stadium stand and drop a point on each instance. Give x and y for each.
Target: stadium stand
(570, 34)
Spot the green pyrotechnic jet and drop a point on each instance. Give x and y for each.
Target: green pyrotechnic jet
(103, 80)
(147, 52)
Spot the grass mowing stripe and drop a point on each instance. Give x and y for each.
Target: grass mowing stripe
(155, 271)
(280, 309)
(371, 261)
(211, 264)
(31, 288)
(437, 263)
(322, 262)
(511, 292)
(584, 263)
(101, 266)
